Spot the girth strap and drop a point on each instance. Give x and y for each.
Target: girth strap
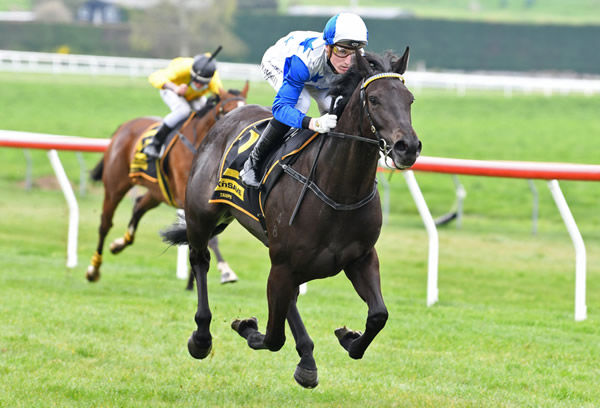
(324, 197)
(186, 141)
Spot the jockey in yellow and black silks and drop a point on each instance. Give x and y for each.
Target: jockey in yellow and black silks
(184, 85)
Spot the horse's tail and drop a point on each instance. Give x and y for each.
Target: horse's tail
(96, 173)
(176, 234)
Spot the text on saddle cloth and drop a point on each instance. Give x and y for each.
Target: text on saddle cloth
(250, 201)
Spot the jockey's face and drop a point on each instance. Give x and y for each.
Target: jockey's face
(340, 57)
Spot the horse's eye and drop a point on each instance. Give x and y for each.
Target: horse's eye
(373, 100)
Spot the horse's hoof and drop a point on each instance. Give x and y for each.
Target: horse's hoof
(198, 352)
(92, 274)
(227, 274)
(117, 245)
(346, 337)
(306, 378)
(343, 333)
(241, 325)
(229, 277)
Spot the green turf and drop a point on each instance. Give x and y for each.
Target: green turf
(502, 335)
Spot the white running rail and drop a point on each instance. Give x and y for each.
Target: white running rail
(21, 61)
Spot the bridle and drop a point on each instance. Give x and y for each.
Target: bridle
(381, 143)
(220, 111)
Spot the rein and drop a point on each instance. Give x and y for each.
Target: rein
(379, 142)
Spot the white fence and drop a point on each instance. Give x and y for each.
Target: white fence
(547, 171)
(19, 61)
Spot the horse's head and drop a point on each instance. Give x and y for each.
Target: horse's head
(375, 100)
(231, 99)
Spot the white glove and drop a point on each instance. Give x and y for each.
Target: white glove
(323, 124)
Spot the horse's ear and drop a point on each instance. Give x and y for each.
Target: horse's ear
(399, 66)
(363, 65)
(245, 90)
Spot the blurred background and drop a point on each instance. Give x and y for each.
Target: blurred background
(548, 36)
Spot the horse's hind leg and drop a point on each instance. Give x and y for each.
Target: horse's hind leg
(227, 274)
(111, 200)
(143, 204)
(364, 275)
(280, 293)
(306, 371)
(200, 342)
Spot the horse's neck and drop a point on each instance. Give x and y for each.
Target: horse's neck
(352, 163)
(202, 125)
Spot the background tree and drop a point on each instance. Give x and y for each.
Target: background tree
(185, 28)
(52, 11)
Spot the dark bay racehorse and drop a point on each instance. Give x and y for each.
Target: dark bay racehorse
(374, 114)
(113, 169)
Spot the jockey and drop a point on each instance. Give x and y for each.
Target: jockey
(183, 85)
(299, 66)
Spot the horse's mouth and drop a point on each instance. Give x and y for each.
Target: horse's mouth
(405, 154)
(405, 162)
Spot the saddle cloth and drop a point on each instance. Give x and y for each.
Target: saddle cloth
(154, 171)
(230, 189)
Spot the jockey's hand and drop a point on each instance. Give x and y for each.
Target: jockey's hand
(181, 89)
(323, 124)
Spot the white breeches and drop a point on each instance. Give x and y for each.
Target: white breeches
(180, 107)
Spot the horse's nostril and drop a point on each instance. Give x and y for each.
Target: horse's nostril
(419, 148)
(400, 146)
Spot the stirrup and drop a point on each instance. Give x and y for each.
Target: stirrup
(249, 179)
(152, 151)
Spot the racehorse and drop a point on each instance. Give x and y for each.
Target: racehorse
(332, 231)
(113, 169)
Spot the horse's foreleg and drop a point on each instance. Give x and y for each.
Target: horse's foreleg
(306, 370)
(227, 274)
(200, 342)
(364, 275)
(143, 204)
(280, 292)
(111, 200)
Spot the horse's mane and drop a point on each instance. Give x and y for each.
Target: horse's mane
(343, 87)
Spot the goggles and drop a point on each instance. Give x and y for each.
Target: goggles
(200, 79)
(343, 52)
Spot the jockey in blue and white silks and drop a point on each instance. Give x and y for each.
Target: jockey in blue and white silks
(301, 60)
(300, 66)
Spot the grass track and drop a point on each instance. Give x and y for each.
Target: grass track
(502, 334)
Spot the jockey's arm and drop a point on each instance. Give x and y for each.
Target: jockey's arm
(295, 76)
(171, 76)
(178, 89)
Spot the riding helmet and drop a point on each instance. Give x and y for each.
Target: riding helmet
(346, 29)
(203, 69)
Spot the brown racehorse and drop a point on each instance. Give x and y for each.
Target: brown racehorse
(113, 169)
(337, 224)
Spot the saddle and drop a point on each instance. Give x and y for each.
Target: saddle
(250, 201)
(156, 171)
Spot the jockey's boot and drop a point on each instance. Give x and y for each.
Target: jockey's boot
(152, 149)
(269, 138)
